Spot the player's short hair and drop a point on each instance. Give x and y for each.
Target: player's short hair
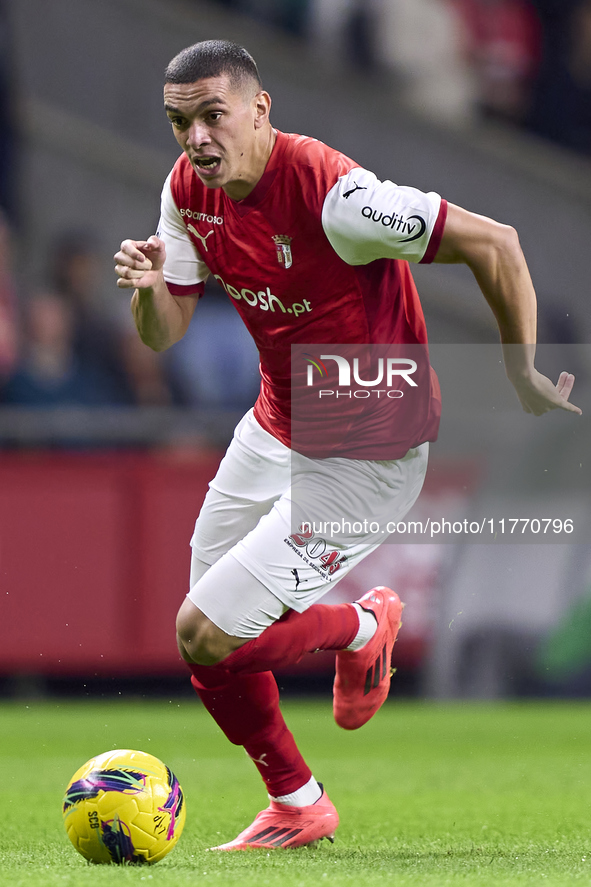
(211, 58)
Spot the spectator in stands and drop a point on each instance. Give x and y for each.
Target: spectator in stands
(76, 352)
(419, 42)
(50, 372)
(103, 344)
(8, 298)
(101, 334)
(8, 306)
(424, 42)
(561, 109)
(289, 15)
(504, 48)
(216, 362)
(361, 36)
(8, 138)
(345, 31)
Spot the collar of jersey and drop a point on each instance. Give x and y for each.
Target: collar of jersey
(260, 190)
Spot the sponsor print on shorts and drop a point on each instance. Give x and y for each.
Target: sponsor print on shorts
(315, 552)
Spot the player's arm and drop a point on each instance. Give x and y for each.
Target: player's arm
(494, 255)
(161, 318)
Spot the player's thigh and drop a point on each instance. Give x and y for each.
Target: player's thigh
(223, 520)
(253, 474)
(234, 600)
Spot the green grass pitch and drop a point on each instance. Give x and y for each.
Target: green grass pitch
(428, 794)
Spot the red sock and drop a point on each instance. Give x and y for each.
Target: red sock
(321, 627)
(246, 708)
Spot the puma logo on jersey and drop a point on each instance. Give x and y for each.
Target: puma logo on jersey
(357, 187)
(201, 238)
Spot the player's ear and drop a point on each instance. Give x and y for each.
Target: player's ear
(262, 109)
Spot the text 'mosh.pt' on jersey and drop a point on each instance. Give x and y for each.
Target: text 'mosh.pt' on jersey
(317, 254)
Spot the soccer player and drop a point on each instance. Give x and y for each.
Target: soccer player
(310, 248)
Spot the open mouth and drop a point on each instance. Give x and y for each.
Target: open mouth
(207, 164)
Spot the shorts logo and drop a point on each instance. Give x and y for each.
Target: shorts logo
(313, 548)
(298, 581)
(283, 244)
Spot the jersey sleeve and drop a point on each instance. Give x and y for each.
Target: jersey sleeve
(366, 219)
(184, 270)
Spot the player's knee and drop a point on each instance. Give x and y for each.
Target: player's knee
(199, 640)
(194, 635)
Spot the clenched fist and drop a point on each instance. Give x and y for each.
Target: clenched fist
(139, 263)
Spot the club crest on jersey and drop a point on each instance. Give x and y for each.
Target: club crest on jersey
(283, 244)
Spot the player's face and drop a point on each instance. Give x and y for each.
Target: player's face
(224, 130)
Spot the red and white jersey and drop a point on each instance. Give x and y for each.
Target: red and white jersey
(317, 253)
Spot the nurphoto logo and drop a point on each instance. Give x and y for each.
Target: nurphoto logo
(388, 371)
(361, 401)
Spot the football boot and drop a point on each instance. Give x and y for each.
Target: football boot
(282, 825)
(362, 680)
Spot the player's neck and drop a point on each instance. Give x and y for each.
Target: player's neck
(263, 148)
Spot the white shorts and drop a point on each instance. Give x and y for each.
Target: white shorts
(255, 507)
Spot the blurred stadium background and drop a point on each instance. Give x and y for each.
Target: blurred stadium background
(106, 449)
